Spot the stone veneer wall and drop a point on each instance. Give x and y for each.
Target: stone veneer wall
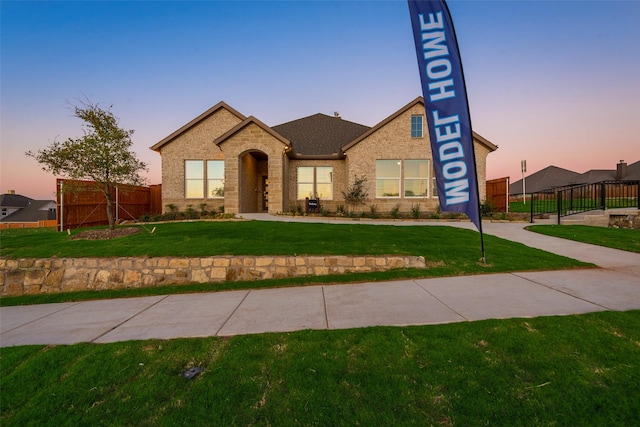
(52, 275)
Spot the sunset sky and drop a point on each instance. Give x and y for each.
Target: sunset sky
(552, 82)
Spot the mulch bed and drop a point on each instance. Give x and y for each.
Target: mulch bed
(105, 234)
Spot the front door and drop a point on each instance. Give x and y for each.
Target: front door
(265, 193)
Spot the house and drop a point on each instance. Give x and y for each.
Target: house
(554, 177)
(18, 209)
(224, 158)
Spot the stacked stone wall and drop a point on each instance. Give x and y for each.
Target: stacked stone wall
(53, 275)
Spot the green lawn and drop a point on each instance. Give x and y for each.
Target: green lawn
(571, 370)
(448, 251)
(617, 238)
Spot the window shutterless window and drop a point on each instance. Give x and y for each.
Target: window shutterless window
(416, 178)
(324, 182)
(215, 179)
(194, 179)
(305, 182)
(315, 182)
(388, 178)
(416, 126)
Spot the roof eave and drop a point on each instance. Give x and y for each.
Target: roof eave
(183, 129)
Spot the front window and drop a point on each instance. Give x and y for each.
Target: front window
(387, 178)
(215, 179)
(315, 182)
(324, 182)
(305, 182)
(416, 178)
(416, 126)
(194, 179)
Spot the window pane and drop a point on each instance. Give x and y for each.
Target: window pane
(194, 189)
(194, 169)
(387, 188)
(194, 179)
(387, 178)
(305, 174)
(415, 188)
(324, 191)
(215, 169)
(416, 168)
(305, 190)
(416, 126)
(324, 174)
(216, 188)
(387, 169)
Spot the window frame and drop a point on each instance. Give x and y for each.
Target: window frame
(314, 183)
(415, 131)
(419, 178)
(211, 179)
(398, 179)
(194, 180)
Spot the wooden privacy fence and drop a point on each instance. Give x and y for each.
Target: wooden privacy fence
(36, 224)
(498, 194)
(82, 203)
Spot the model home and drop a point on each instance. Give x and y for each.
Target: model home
(224, 158)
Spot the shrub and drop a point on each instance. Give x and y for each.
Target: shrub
(395, 211)
(415, 211)
(356, 194)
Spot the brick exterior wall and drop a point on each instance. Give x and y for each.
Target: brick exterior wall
(253, 152)
(339, 183)
(244, 170)
(393, 141)
(194, 144)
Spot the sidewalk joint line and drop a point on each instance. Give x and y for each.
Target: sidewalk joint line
(73, 304)
(326, 314)
(439, 300)
(561, 291)
(232, 313)
(129, 318)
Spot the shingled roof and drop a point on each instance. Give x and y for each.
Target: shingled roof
(320, 135)
(29, 210)
(549, 177)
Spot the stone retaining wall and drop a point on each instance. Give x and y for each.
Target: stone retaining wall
(52, 275)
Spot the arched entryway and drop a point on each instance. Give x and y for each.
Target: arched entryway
(254, 181)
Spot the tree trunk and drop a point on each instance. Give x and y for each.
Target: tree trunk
(112, 222)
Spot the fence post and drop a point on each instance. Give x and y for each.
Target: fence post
(559, 198)
(603, 196)
(531, 208)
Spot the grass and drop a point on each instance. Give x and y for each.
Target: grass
(448, 251)
(571, 370)
(617, 238)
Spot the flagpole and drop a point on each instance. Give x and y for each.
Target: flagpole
(473, 149)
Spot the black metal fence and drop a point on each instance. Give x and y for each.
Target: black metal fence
(569, 200)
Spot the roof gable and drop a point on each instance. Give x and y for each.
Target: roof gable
(319, 134)
(194, 122)
(418, 101)
(246, 122)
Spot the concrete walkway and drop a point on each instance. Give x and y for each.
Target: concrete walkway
(614, 286)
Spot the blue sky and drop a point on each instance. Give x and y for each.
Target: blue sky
(552, 82)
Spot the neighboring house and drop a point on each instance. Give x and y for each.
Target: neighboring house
(553, 177)
(15, 208)
(223, 158)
